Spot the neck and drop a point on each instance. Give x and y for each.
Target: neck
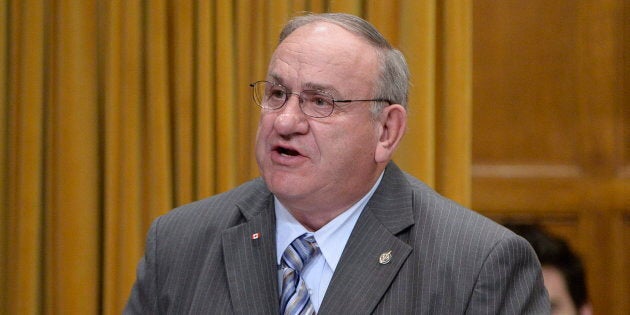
(315, 220)
(314, 213)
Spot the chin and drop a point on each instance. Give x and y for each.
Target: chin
(282, 186)
(285, 186)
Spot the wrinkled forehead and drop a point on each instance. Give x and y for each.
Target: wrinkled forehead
(324, 54)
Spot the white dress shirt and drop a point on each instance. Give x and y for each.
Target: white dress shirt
(331, 239)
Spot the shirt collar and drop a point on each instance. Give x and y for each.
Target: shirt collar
(331, 238)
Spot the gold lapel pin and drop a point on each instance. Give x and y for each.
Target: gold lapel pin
(385, 258)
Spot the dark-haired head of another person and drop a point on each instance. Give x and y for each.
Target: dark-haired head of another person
(563, 270)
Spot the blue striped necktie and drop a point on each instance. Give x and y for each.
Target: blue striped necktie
(295, 298)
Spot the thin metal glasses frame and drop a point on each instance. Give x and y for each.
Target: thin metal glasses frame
(259, 100)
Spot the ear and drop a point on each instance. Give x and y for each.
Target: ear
(391, 126)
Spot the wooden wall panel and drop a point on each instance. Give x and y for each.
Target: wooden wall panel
(551, 143)
(624, 131)
(525, 89)
(624, 258)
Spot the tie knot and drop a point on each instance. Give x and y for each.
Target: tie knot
(299, 252)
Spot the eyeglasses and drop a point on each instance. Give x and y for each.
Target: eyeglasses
(314, 103)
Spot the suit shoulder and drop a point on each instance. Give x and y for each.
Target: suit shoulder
(439, 213)
(219, 211)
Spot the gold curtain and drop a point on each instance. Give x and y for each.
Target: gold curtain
(112, 112)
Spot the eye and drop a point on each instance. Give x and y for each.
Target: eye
(320, 100)
(277, 93)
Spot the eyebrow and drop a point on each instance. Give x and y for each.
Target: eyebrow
(308, 85)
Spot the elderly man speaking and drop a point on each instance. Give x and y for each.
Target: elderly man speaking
(333, 226)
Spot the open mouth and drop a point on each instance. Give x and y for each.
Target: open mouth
(287, 151)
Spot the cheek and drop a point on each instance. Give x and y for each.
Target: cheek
(357, 142)
(265, 125)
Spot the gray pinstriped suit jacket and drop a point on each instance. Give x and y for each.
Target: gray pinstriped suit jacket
(201, 258)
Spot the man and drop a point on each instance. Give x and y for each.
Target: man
(563, 271)
(333, 226)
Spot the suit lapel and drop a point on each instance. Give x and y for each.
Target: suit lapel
(249, 250)
(375, 251)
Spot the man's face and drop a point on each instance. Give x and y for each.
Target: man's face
(561, 302)
(312, 163)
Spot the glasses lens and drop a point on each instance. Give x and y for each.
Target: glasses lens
(317, 103)
(275, 96)
(268, 95)
(258, 92)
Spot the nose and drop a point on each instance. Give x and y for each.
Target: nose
(291, 120)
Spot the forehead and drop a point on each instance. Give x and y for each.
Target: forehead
(324, 56)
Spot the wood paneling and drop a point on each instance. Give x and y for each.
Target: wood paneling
(523, 80)
(550, 128)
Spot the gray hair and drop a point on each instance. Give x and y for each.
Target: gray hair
(393, 82)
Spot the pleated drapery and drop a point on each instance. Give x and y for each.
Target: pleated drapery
(112, 112)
